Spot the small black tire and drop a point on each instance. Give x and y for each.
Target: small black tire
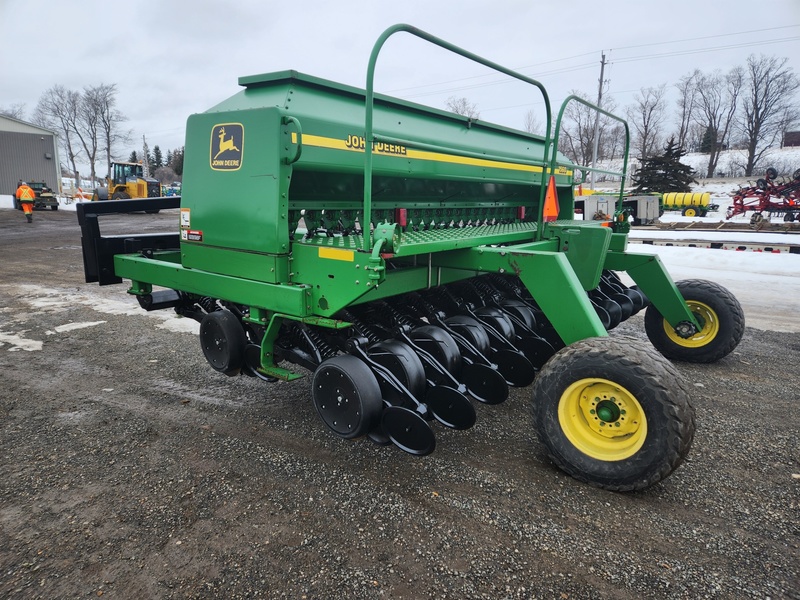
(689, 211)
(441, 346)
(613, 414)
(54, 207)
(771, 173)
(223, 340)
(720, 314)
(403, 363)
(347, 396)
(472, 330)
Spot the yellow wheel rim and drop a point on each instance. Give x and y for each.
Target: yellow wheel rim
(709, 320)
(602, 419)
(690, 212)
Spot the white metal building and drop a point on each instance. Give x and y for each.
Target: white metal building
(28, 153)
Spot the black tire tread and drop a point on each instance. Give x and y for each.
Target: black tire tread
(660, 379)
(732, 324)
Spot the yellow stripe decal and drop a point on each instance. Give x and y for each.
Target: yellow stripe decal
(336, 253)
(319, 141)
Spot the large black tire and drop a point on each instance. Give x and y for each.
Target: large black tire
(613, 414)
(223, 340)
(347, 396)
(718, 311)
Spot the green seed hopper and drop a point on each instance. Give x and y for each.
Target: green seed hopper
(416, 261)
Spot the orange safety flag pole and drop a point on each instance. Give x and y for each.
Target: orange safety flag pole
(550, 202)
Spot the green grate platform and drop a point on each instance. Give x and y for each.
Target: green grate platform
(437, 240)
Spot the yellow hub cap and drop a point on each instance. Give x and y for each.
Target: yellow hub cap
(602, 419)
(705, 315)
(690, 212)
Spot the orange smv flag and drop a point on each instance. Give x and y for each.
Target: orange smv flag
(550, 202)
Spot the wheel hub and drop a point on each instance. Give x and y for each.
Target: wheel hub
(685, 329)
(687, 335)
(602, 419)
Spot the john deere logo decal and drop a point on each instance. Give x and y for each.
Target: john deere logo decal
(227, 144)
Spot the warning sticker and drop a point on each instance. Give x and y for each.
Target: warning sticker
(193, 235)
(186, 218)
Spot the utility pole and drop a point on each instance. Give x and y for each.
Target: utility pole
(597, 118)
(145, 158)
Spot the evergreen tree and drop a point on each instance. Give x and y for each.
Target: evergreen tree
(158, 159)
(709, 140)
(133, 157)
(177, 161)
(168, 159)
(664, 173)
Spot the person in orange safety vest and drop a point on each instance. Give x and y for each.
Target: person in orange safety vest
(26, 197)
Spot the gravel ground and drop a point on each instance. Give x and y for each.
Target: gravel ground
(131, 469)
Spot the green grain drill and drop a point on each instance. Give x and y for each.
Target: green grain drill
(416, 261)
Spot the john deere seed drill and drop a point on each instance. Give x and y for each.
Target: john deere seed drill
(416, 261)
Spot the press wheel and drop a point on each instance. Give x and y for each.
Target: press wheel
(404, 364)
(347, 396)
(439, 344)
(223, 341)
(498, 320)
(471, 330)
(521, 311)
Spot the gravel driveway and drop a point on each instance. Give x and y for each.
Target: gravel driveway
(131, 469)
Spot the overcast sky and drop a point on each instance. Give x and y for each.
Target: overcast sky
(172, 58)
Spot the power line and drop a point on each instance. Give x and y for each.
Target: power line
(702, 50)
(547, 62)
(706, 37)
(571, 69)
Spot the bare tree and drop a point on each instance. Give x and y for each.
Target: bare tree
(577, 131)
(87, 129)
(88, 121)
(462, 106)
(768, 101)
(717, 101)
(109, 119)
(58, 109)
(15, 111)
(687, 102)
(647, 115)
(532, 124)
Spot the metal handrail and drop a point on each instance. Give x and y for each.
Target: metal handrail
(623, 174)
(369, 135)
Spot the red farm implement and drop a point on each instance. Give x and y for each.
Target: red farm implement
(768, 197)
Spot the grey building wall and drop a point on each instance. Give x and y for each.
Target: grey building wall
(28, 153)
